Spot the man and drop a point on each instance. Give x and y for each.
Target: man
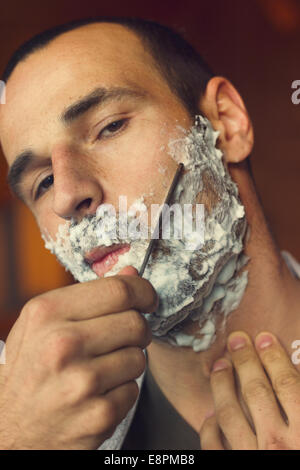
(90, 110)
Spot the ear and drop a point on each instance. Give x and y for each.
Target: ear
(225, 109)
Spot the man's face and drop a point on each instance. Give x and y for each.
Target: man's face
(97, 120)
(98, 151)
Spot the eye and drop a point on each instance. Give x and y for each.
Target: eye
(45, 183)
(112, 128)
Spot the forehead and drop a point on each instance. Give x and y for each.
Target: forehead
(67, 69)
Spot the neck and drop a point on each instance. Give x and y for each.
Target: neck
(271, 303)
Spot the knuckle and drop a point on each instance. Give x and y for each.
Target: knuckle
(154, 300)
(81, 384)
(138, 325)
(129, 396)
(88, 383)
(133, 390)
(61, 346)
(256, 389)
(139, 360)
(286, 380)
(271, 355)
(38, 309)
(118, 288)
(99, 420)
(226, 414)
(108, 415)
(243, 357)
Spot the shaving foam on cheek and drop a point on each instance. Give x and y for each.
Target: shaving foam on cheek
(193, 285)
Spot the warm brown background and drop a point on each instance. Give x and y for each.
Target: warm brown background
(255, 43)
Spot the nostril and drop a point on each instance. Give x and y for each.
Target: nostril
(84, 204)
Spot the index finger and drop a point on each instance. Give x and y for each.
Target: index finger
(102, 297)
(283, 374)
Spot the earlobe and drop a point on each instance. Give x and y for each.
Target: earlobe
(224, 107)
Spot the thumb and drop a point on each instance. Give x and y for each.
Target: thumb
(129, 271)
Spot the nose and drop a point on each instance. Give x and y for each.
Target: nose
(76, 190)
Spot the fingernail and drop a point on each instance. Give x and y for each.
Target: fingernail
(237, 342)
(263, 341)
(220, 365)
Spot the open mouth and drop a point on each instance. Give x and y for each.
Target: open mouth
(103, 258)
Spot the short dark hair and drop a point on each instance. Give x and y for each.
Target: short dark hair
(185, 71)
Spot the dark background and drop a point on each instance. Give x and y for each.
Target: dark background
(254, 43)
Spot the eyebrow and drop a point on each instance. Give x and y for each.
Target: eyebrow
(99, 96)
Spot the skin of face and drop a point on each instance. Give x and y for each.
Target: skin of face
(90, 169)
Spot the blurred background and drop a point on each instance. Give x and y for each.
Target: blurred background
(254, 43)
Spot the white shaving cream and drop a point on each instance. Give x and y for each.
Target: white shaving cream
(193, 285)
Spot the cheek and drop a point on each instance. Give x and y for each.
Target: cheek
(48, 223)
(139, 163)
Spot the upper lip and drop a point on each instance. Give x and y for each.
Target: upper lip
(98, 253)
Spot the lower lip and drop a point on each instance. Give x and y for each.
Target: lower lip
(105, 264)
